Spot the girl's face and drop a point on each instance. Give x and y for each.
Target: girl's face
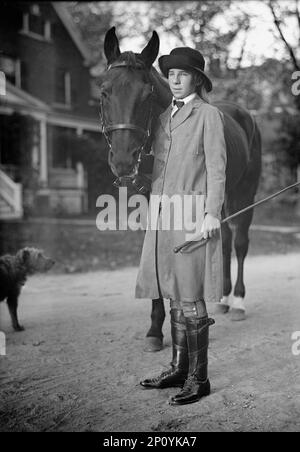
(181, 83)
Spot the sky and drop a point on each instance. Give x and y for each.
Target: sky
(261, 42)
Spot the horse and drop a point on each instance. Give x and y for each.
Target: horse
(132, 96)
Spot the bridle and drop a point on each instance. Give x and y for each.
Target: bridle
(109, 128)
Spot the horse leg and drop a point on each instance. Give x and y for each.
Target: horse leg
(241, 244)
(224, 305)
(154, 337)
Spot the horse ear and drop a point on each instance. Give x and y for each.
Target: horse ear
(150, 52)
(111, 46)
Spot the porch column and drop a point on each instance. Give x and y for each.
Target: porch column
(43, 153)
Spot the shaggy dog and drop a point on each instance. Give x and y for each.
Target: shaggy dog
(13, 274)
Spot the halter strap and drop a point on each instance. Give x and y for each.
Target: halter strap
(137, 65)
(106, 128)
(126, 127)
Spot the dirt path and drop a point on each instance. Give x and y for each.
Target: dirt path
(78, 364)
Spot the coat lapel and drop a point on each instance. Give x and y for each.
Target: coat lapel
(185, 112)
(170, 124)
(165, 118)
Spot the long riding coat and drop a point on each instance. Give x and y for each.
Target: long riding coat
(189, 159)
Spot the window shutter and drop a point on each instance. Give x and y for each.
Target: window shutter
(60, 94)
(24, 76)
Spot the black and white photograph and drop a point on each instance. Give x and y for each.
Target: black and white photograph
(150, 219)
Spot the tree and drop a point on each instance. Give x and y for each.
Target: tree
(184, 23)
(93, 20)
(283, 16)
(190, 23)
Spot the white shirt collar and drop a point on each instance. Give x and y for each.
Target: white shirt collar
(185, 100)
(188, 98)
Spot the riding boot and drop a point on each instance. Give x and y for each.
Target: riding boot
(197, 384)
(177, 374)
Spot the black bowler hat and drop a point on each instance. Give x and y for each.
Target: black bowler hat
(184, 58)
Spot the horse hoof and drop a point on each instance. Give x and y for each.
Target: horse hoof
(237, 315)
(153, 344)
(221, 308)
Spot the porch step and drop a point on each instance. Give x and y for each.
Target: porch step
(6, 212)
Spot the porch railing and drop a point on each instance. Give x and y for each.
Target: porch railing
(12, 171)
(11, 192)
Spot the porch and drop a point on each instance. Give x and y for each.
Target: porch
(40, 172)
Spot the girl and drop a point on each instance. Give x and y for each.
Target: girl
(189, 159)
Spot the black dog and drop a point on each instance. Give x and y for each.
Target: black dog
(13, 275)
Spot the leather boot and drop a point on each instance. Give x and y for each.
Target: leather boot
(177, 374)
(197, 384)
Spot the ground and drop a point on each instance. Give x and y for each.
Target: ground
(78, 365)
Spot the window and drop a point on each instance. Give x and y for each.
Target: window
(8, 66)
(35, 26)
(24, 75)
(11, 67)
(63, 140)
(62, 87)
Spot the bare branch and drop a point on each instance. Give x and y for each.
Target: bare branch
(243, 46)
(288, 46)
(297, 12)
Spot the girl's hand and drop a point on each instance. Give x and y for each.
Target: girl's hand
(210, 226)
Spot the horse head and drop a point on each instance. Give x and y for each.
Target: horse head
(126, 102)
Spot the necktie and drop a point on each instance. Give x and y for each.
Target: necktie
(179, 104)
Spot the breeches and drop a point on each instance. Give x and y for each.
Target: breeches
(191, 309)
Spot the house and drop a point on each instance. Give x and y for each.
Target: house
(46, 96)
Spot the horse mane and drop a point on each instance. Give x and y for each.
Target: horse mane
(132, 62)
(130, 58)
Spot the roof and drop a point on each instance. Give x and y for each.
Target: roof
(16, 99)
(17, 96)
(67, 20)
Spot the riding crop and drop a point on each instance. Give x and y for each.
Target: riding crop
(187, 247)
